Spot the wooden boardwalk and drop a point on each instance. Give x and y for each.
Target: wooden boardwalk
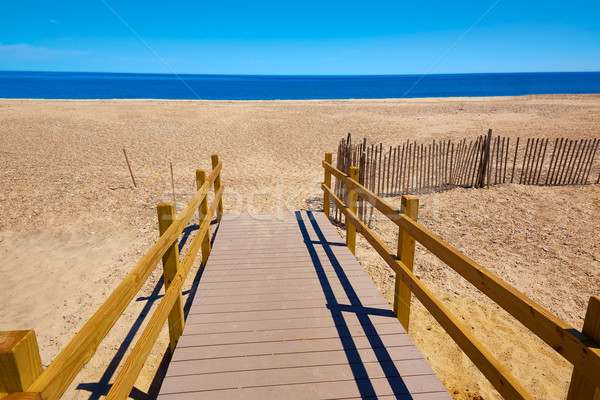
(284, 310)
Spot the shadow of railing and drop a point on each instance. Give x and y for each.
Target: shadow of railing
(362, 313)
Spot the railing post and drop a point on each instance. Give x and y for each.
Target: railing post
(328, 184)
(352, 205)
(215, 161)
(202, 212)
(581, 388)
(20, 363)
(406, 254)
(166, 216)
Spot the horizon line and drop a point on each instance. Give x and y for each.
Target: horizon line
(300, 75)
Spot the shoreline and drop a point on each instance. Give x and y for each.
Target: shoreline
(390, 99)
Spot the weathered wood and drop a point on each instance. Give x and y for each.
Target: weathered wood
(379, 190)
(129, 166)
(217, 185)
(20, 363)
(60, 373)
(352, 198)
(203, 212)
(531, 161)
(135, 362)
(505, 157)
(537, 180)
(514, 161)
(559, 335)
(498, 376)
(582, 388)
(497, 147)
(574, 157)
(582, 160)
(564, 160)
(591, 162)
(451, 183)
(406, 254)
(552, 161)
(170, 260)
(525, 159)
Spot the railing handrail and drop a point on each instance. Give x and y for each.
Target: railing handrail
(576, 347)
(54, 380)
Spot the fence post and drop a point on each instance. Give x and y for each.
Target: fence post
(352, 205)
(202, 212)
(215, 160)
(166, 216)
(581, 388)
(20, 363)
(406, 254)
(328, 184)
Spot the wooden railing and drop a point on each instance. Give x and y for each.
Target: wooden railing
(582, 349)
(21, 372)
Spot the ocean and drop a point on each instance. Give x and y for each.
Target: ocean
(85, 85)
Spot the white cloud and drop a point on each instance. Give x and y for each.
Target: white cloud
(54, 21)
(24, 51)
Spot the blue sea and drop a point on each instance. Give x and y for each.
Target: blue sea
(85, 85)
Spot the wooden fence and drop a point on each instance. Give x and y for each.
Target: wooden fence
(413, 168)
(582, 349)
(21, 373)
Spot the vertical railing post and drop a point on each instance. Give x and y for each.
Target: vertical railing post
(352, 205)
(328, 159)
(166, 216)
(215, 161)
(406, 254)
(20, 363)
(202, 212)
(581, 388)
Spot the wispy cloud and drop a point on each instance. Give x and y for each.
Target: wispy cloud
(54, 21)
(25, 51)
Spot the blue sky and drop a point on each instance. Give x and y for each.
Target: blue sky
(309, 37)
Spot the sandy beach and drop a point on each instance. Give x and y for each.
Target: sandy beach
(72, 225)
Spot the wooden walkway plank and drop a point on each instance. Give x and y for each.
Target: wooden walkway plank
(284, 310)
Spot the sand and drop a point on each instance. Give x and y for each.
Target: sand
(72, 225)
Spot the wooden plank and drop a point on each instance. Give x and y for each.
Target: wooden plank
(537, 180)
(285, 339)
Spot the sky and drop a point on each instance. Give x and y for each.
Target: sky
(300, 38)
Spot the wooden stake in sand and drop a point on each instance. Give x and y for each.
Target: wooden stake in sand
(129, 166)
(172, 183)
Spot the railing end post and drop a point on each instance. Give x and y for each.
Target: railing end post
(20, 361)
(582, 388)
